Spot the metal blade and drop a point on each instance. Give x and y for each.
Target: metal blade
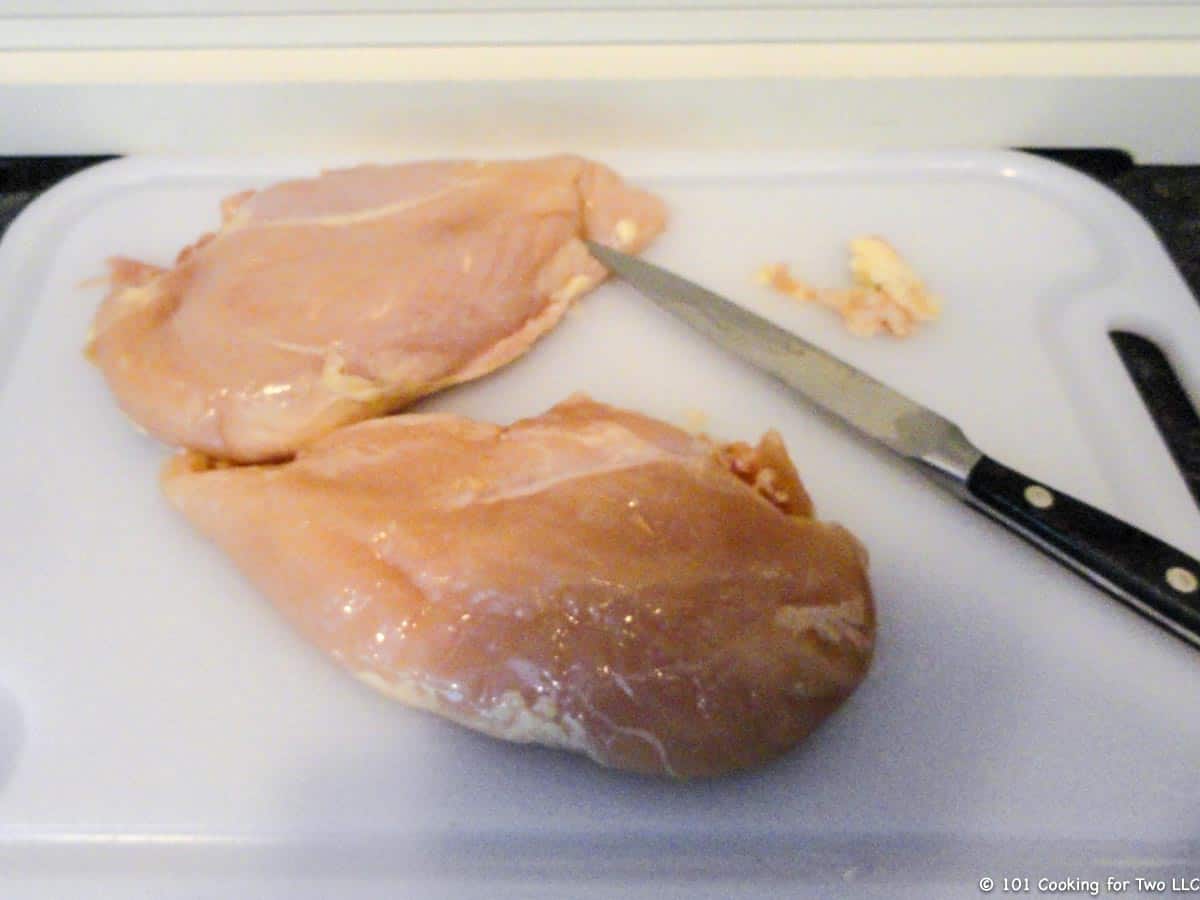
(874, 409)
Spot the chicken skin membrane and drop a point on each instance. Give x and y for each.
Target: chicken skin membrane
(590, 579)
(330, 300)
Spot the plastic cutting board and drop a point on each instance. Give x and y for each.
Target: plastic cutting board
(163, 733)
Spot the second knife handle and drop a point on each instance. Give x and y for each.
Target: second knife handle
(1150, 575)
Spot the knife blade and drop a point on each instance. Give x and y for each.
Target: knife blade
(1147, 574)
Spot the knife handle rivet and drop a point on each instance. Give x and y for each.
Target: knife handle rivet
(1182, 580)
(1037, 496)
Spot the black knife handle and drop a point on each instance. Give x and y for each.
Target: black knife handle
(1154, 578)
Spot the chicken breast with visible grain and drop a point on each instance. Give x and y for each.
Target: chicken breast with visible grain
(590, 579)
(329, 300)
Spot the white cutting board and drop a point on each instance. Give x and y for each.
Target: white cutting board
(163, 733)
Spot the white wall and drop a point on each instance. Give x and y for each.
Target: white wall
(262, 75)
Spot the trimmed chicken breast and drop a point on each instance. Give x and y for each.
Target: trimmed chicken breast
(329, 300)
(590, 579)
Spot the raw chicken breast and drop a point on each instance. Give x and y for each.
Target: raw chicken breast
(589, 579)
(330, 300)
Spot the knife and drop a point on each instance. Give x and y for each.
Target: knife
(1152, 577)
